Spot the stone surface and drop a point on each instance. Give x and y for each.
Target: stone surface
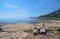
(3, 34)
(16, 31)
(23, 35)
(5, 38)
(16, 27)
(10, 28)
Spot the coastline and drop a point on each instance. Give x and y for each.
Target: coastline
(16, 30)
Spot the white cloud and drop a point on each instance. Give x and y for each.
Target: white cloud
(10, 5)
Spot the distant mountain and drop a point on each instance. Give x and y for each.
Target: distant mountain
(53, 15)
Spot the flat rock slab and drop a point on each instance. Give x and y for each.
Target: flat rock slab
(16, 27)
(3, 34)
(5, 38)
(18, 35)
(23, 35)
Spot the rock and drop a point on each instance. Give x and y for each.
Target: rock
(25, 27)
(14, 35)
(3, 34)
(18, 35)
(16, 27)
(10, 28)
(16, 31)
(23, 35)
(29, 36)
(0, 29)
(5, 38)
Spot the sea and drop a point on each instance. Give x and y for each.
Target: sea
(31, 21)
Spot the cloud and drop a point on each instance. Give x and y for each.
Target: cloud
(10, 5)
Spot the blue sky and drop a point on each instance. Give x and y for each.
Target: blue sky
(27, 8)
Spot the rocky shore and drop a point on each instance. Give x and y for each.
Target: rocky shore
(16, 31)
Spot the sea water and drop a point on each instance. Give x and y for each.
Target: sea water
(31, 21)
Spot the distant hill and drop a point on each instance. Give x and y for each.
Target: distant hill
(53, 15)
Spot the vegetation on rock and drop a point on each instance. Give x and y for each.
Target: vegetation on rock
(53, 15)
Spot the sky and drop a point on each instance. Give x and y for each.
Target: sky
(27, 8)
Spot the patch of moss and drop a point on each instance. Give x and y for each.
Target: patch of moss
(58, 32)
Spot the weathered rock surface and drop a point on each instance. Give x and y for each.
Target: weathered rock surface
(16, 27)
(29, 36)
(16, 31)
(10, 28)
(23, 35)
(3, 34)
(13, 35)
(18, 35)
(5, 38)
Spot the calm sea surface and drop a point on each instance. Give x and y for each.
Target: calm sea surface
(17, 21)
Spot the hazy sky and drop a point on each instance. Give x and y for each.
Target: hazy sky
(27, 8)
